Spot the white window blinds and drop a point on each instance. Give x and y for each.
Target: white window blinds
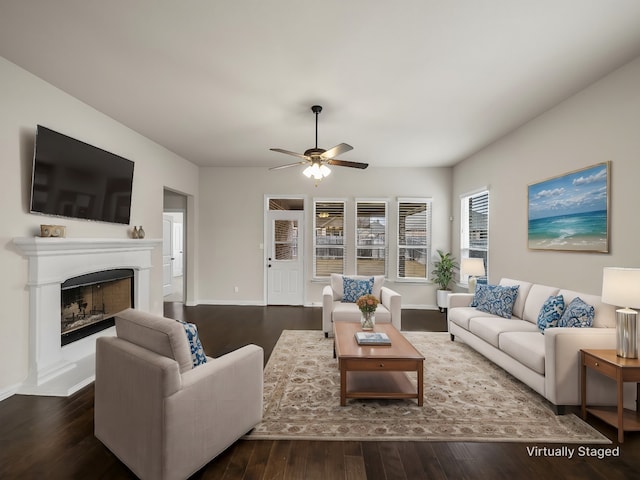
(474, 228)
(414, 238)
(371, 238)
(329, 242)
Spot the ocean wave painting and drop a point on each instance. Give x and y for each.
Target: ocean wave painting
(570, 212)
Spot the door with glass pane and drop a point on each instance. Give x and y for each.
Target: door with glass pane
(285, 275)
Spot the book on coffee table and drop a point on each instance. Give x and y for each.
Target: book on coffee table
(372, 338)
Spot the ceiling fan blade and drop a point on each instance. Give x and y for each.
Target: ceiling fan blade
(343, 163)
(299, 155)
(289, 165)
(335, 151)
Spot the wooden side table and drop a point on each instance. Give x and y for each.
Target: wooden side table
(621, 370)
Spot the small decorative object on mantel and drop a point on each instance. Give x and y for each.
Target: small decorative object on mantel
(367, 305)
(141, 233)
(135, 233)
(52, 231)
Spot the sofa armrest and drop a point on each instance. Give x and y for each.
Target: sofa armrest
(392, 300)
(327, 308)
(219, 402)
(562, 360)
(460, 299)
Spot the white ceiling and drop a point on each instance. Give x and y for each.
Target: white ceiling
(406, 82)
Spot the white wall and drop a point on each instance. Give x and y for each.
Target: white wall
(598, 124)
(27, 101)
(232, 218)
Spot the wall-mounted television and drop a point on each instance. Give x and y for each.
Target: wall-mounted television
(73, 179)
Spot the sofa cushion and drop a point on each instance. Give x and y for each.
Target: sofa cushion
(349, 312)
(461, 315)
(538, 294)
(490, 328)
(336, 282)
(551, 312)
(197, 352)
(577, 314)
(495, 299)
(604, 314)
(525, 347)
(354, 288)
(523, 292)
(163, 336)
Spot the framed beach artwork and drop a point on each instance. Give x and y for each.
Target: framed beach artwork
(571, 212)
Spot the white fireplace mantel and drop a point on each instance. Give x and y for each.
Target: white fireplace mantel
(57, 370)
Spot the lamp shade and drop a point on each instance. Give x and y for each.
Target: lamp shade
(621, 286)
(472, 266)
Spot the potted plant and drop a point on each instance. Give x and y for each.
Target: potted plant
(442, 275)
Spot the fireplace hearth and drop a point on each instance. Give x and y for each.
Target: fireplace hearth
(89, 302)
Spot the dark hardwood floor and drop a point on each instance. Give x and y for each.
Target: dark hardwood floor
(51, 437)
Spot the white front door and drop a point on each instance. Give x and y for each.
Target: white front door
(167, 251)
(285, 275)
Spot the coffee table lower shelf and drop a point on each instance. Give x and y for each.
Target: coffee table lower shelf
(380, 385)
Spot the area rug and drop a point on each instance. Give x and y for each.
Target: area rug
(466, 398)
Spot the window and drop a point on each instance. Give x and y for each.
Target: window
(414, 238)
(474, 228)
(328, 239)
(371, 238)
(285, 239)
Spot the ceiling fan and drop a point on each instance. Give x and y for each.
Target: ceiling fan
(317, 159)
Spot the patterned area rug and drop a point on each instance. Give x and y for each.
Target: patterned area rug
(466, 398)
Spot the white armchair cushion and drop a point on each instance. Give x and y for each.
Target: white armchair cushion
(349, 312)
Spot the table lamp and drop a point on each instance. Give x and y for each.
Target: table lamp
(474, 267)
(621, 286)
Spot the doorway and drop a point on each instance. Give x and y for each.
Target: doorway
(173, 247)
(285, 251)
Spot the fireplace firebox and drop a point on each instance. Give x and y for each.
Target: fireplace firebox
(89, 302)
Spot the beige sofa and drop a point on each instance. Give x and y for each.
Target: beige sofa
(389, 309)
(549, 363)
(160, 415)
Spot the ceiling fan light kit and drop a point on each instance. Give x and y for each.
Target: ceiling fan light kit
(317, 171)
(317, 159)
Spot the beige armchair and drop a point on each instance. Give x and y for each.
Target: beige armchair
(389, 309)
(160, 415)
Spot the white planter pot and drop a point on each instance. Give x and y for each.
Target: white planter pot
(442, 298)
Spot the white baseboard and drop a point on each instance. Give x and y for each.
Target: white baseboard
(9, 391)
(255, 303)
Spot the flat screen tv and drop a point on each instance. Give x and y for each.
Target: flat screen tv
(74, 179)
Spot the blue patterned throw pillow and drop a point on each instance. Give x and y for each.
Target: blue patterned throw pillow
(577, 314)
(495, 299)
(354, 288)
(197, 352)
(551, 312)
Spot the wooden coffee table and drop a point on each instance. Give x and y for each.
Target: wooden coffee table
(376, 371)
